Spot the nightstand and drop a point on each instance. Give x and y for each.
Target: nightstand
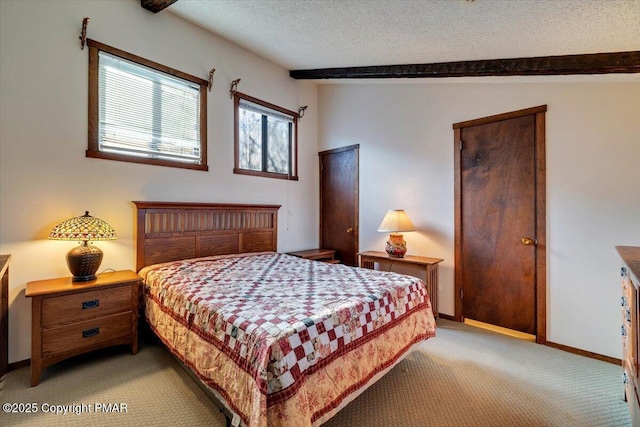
(70, 318)
(324, 255)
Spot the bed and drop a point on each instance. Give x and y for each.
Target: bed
(277, 340)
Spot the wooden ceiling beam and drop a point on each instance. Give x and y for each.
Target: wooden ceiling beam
(597, 63)
(156, 6)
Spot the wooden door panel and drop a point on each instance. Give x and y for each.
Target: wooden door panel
(498, 210)
(339, 202)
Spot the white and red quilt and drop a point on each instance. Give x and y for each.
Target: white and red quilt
(283, 340)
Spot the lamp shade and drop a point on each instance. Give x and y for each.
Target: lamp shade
(83, 261)
(83, 228)
(395, 221)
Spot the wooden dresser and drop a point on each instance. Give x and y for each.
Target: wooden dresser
(630, 330)
(4, 314)
(70, 318)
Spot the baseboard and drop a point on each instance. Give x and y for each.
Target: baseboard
(19, 364)
(568, 349)
(584, 353)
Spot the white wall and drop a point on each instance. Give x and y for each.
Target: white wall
(44, 175)
(593, 180)
(406, 158)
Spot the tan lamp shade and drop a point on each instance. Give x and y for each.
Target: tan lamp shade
(394, 222)
(84, 260)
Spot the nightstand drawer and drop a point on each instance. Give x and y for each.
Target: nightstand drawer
(85, 305)
(84, 334)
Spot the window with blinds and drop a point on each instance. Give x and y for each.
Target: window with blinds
(265, 139)
(144, 112)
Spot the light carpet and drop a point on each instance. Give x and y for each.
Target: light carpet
(465, 376)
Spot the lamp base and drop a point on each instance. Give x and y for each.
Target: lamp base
(84, 278)
(396, 246)
(83, 262)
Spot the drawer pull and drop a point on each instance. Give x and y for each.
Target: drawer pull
(90, 304)
(623, 271)
(628, 316)
(623, 331)
(622, 302)
(90, 332)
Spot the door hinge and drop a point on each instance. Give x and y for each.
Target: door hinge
(460, 144)
(461, 293)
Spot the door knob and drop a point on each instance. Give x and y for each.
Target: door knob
(528, 241)
(350, 230)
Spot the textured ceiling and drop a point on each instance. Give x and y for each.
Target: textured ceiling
(306, 34)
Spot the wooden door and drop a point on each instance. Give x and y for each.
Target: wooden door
(500, 220)
(339, 202)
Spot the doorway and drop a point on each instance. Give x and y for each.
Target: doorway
(500, 227)
(339, 194)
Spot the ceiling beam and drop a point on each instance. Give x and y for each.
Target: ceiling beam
(597, 63)
(156, 6)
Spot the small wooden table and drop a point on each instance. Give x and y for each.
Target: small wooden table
(429, 265)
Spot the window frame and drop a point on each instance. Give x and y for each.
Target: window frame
(293, 157)
(93, 147)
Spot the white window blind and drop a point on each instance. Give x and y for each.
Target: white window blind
(147, 113)
(256, 108)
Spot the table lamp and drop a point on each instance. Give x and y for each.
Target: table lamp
(83, 261)
(394, 222)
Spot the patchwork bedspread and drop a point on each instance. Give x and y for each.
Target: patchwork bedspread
(283, 340)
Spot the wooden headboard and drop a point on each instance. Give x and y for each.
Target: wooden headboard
(169, 231)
